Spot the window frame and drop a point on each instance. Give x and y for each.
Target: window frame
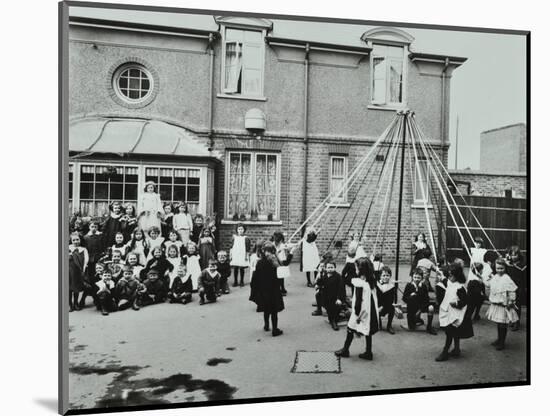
(417, 199)
(203, 175)
(77, 181)
(404, 80)
(253, 158)
(128, 66)
(224, 93)
(344, 198)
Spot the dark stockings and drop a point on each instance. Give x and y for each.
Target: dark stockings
(274, 320)
(236, 271)
(502, 330)
(348, 341)
(308, 277)
(73, 301)
(282, 285)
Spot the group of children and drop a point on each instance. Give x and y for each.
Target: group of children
(120, 264)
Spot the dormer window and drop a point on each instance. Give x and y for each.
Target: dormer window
(388, 64)
(243, 51)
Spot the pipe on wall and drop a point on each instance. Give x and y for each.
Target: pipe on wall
(442, 239)
(306, 121)
(211, 39)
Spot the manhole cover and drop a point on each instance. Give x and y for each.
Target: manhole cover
(316, 362)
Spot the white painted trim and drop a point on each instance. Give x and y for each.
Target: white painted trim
(132, 29)
(242, 97)
(520, 230)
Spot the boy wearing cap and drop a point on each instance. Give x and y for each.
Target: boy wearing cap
(155, 289)
(209, 281)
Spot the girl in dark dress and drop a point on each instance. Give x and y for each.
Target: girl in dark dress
(265, 290)
(112, 225)
(162, 266)
(364, 319)
(452, 313)
(128, 222)
(78, 261)
(207, 249)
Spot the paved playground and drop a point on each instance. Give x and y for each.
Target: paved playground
(175, 353)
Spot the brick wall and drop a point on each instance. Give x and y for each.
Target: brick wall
(338, 222)
(503, 149)
(493, 184)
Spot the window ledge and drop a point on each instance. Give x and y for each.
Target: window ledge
(338, 204)
(242, 97)
(248, 222)
(386, 107)
(420, 205)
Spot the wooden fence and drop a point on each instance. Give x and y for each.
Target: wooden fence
(503, 219)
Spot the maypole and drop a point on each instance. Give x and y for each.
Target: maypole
(405, 115)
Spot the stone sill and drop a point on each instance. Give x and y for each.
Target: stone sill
(386, 107)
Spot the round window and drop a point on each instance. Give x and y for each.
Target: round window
(133, 83)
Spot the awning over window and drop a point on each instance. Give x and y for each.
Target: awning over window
(133, 136)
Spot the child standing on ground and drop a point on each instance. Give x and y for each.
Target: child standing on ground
(364, 319)
(78, 263)
(224, 269)
(385, 291)
(310, 255)
(93, 241)
(452, 313)
(284, 255)
(502, 296)
(209, 281)
(240, 247)
(192, 261)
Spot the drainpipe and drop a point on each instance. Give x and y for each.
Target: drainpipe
(306, 105)
(211, 39)
(442, 239)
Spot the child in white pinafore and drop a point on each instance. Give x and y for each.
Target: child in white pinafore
(191, 259)
(502, 297)
(310, 255)
(239, 254)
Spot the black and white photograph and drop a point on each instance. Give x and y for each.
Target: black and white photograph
(265, 207)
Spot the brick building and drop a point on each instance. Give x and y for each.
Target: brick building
(504, 149)
(245, 121)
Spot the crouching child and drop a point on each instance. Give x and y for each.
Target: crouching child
(224, 269)
(417, 298)
(154, 289)
(209, 282)
(182, 286)
(331, 294)
(127, 290)
(105, 293)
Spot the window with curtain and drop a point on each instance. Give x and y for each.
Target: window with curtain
(337, 178)
(387, 66)
(177, 184)
(422, 175)
(102, 184)
(243, 64)
(253, 188)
